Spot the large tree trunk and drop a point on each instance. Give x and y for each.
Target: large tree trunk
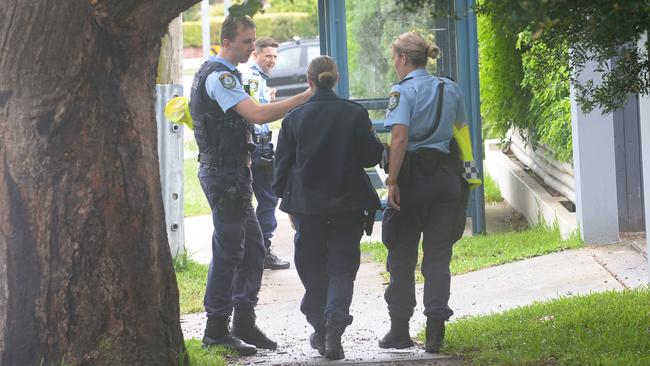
(85, 267)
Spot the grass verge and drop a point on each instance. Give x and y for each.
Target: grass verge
(194, 200)
(191, 277)
(610, 328)
(491, 190)
(477, 252)
(199, 356)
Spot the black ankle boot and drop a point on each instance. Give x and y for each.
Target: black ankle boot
(333, 346)
(398, 336)
(243, 326)
(317, 341)
(217, 334)
(271, 261)
(435, 335)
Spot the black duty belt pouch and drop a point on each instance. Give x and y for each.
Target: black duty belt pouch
(405, 176)
(390, 226)
(232, 198)
(368, 221)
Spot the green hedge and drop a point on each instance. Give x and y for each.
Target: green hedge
(503, 100)
(524, 83)
(282, 27)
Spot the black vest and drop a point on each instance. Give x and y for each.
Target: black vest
(224, 139)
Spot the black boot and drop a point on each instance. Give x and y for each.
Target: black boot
(217, 334)
(243, 326)
(317, 341)
(333, 347)
(271, 261)
(398, 336)
(435, 335)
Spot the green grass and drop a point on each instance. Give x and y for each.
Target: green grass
(199, 356)
(491, 190)
(477, 252)
(610, 328)
(191, 277)
(195, 203)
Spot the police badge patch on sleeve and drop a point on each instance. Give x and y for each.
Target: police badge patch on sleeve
(227, 80)
(393, 100)
(254, 84)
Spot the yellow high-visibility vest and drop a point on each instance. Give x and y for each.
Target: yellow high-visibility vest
(464, 141)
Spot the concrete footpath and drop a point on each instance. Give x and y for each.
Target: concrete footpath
(495, 289)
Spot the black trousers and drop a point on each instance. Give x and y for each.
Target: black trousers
(235, 272)
(430, 207)
(327, 257)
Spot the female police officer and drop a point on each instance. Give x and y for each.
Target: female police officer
(322, 150)
(424, 191)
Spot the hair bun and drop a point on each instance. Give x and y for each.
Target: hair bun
(433, 51)
(325, 77)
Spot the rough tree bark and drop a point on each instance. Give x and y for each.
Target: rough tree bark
(85, 268)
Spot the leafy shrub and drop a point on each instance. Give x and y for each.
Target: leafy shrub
(281, 26)
(524, 83)
(503, 100)
(547, 77)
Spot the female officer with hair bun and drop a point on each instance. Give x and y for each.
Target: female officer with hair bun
(427, 195)
(322, 150)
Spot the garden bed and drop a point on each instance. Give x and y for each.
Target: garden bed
(525, 194)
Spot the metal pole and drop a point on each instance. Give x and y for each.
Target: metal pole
(205, 21)
(170, 155)
(333, 40)
(644, 115)
(467, 61)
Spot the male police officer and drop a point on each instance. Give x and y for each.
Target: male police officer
(254, 75)
(222, 112)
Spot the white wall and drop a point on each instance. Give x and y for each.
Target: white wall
(594, 162)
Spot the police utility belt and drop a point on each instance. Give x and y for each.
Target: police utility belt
(262, 139)
(225, 161)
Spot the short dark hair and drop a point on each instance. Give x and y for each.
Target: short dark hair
(262, 43)
(229, 28)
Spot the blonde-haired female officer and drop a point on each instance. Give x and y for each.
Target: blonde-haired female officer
(425, 190)
(322, 150)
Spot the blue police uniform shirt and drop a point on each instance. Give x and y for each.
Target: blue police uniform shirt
(413, 103)
(224, 87)
(255, 78)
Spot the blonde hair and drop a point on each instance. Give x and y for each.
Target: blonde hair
(323, 72)
(416, 48)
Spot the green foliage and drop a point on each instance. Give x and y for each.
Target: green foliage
(199, 356)
(288, 6)
(596, 31)
(503, 100)
(610, 328)
(492, 191)
(193, 13)
(246, 7)
(282, 27)
(194, 201)
(181, 262)
(191, 279)
(472, 253)
(546, 77)
(524, 83)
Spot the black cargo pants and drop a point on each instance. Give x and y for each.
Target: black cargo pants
(431, 205)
